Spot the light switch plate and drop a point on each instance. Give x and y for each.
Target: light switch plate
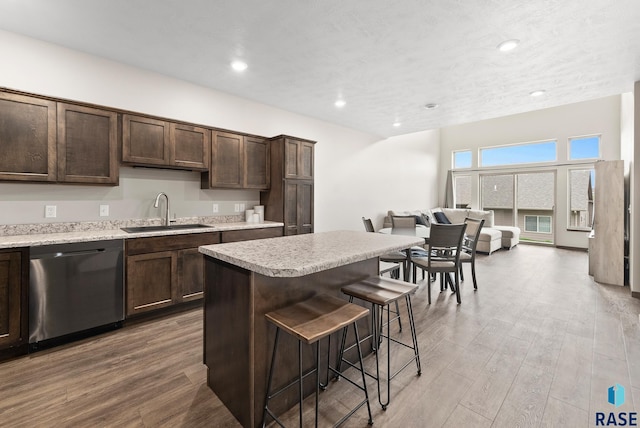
(241, 208)
(236, 208)
(50, 211)
(104, 210)
(215, 208)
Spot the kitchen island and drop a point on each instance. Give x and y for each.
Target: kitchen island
(245, 280)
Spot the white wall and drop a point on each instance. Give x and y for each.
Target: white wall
(601, 116)
(357, 174)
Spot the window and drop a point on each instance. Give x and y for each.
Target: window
(584, 147)
(462, 159)
(518, 154)
(537, 223)
(581, 188)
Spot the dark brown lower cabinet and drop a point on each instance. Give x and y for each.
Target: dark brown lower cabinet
(14, 288)
(164, 271)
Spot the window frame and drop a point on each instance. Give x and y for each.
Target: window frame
(512, 165)
(538, 224)
(453, 159)
(582, 137)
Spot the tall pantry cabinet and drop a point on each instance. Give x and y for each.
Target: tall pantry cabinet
(290, 198)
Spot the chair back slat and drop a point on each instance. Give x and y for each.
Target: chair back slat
(403, 222)
(471, 235)
(368, 225)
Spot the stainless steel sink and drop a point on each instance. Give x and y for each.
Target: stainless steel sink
(138, 229)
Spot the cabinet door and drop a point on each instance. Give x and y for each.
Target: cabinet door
(27, 138)
(305, 160)
(291, 156)
(87, 145)
(190, 274)
(257, 161)
(190, 146)
(11, 296)
(305, 207)
(145, 141)
(298, 207)
(149, 281)
(227, 163)
(298, 161)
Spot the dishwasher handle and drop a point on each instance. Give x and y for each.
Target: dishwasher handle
(79, 252)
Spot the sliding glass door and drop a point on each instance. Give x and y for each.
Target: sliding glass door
(526, 200)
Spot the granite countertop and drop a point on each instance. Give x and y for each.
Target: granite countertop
(58, 235)
(299, 255)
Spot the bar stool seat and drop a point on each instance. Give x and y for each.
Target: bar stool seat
(310, 321)
(381, 292)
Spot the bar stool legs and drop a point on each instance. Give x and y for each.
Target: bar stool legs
(381, 293)
(328, 315)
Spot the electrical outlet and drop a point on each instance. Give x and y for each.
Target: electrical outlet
(50, 211)
(104, 210)
(236, 208)
(215, 208)
(241, 207)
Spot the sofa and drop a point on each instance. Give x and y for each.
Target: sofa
(491, 237)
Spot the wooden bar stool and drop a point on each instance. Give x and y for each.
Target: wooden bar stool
(381, 292)
(310, 321)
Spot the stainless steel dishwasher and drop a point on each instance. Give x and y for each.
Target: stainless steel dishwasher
(75, 287)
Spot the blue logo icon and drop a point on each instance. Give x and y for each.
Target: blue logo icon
(616, 395)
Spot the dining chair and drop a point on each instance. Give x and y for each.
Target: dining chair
(445, 242)
(468, 249)
(398, 257)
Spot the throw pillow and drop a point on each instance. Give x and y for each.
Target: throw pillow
(441, 218)
(420, 220)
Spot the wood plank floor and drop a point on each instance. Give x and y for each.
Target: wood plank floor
(537, 345)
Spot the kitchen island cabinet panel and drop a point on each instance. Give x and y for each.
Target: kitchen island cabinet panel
(27, 138)
(87, 145)
(14, 322)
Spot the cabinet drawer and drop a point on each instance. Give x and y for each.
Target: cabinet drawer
(246, 235)
(170, 242)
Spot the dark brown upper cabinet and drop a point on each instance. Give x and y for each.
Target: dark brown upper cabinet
(190, 146)
(27, 138)
(298, 158)
(256, 163)
(87, 145)
(153, 142)
(238, 162)
(145, 141)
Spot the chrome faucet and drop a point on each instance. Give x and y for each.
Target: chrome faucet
(167, 220)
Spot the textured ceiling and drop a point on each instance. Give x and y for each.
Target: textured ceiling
(386, 59)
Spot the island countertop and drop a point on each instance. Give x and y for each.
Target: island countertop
(299, 255)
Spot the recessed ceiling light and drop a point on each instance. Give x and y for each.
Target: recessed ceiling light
(537, 93)
(431, 106)
(508, 45)
(340, 103)
(396, 124)
(239, 65)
